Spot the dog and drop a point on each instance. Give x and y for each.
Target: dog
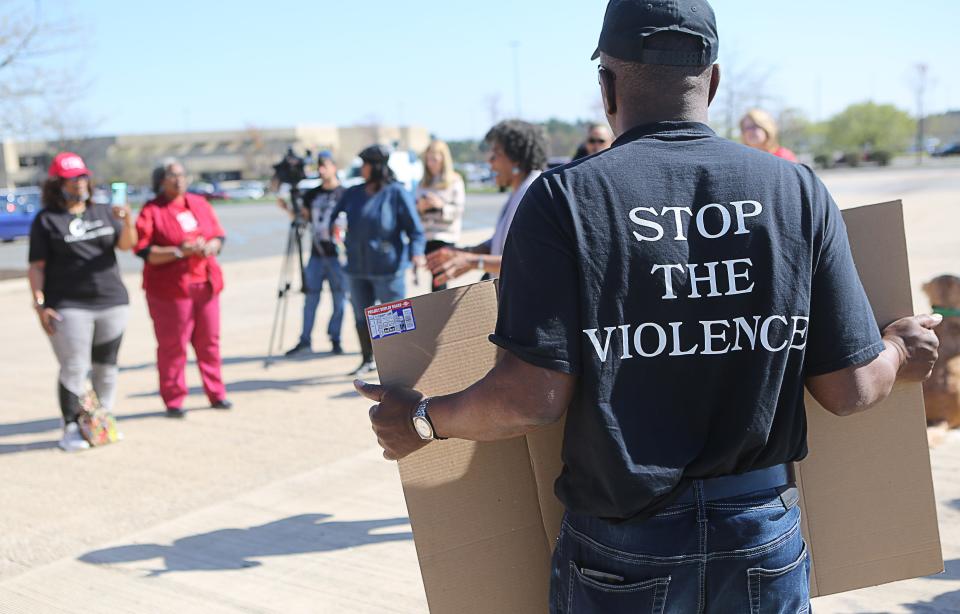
(941, 393)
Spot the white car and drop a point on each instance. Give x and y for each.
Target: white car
(243, 190)
(406, 165)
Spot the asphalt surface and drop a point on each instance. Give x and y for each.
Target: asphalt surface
(284, 505)
(256, 230)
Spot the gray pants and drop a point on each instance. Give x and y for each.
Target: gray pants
(87, 342)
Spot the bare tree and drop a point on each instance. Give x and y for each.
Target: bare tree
(257, 158)
(742, 86)
(34, 96)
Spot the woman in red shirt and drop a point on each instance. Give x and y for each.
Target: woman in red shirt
(759, 130)
(179, 238)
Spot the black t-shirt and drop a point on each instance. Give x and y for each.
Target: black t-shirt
(321, 202)
(692, 284)
(81, 264)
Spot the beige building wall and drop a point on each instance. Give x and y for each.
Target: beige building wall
(246, 154)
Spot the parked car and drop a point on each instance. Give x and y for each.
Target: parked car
(208, 190)
(18, 207)
(244, 190)
(950, 150)
(406, 165)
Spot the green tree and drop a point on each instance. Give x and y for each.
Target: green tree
(871, 127)
(466, 152)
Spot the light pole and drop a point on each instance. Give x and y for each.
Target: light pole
(921, 90)
(515, 45)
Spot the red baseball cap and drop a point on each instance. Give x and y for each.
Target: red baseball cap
(68, 165)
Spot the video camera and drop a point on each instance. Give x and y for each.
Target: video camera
(290, 170)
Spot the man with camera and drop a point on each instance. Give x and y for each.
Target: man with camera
(324, 265)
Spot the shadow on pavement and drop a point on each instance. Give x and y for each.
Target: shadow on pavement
(14, 448)
(951, 571)
(237, 360)
(946, 603)
(34, 427)
(227, 549)
(254, 385)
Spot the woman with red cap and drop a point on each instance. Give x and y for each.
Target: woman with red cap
(77, 292)
(180, 238)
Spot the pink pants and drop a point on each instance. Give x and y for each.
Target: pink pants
(176, 321)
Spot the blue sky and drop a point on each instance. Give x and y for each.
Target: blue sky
(175, 65)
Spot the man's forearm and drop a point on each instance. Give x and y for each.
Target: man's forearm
(512, 400)
(856, 389)
(882, 377)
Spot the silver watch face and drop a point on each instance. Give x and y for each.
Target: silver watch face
(423, 427)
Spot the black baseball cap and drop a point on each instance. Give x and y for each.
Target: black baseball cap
(628, 23)
(375, 154)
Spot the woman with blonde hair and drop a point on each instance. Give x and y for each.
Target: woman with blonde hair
(759, 130)
(440, 200)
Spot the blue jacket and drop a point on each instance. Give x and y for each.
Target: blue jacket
(383, 230)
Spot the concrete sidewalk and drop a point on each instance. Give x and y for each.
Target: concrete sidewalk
(283, 504)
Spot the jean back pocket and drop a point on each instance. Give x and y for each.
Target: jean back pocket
(781, 591)
(589, 594)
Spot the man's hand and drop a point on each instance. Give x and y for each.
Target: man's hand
(447, 264)
(917, 344)
(392, 418)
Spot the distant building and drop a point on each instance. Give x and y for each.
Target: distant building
(210, 156)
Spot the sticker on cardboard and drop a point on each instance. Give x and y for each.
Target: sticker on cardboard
(390, 319)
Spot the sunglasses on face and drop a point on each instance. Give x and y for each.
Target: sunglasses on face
(77, 178)
(596, 141)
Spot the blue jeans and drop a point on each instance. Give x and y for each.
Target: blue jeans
(743, 554)
(368, 291)
(320, 269)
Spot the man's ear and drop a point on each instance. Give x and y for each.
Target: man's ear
(714, 83)
(608, 93)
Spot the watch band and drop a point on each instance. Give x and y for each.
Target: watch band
(421, 410)
(480, 263)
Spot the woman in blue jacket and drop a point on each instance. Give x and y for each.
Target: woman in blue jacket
(384, 236)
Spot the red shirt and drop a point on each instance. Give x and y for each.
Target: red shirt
(162, 223)
(786, 154)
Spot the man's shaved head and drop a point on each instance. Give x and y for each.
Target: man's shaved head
(655, 91)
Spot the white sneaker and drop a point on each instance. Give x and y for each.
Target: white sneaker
(72, 440)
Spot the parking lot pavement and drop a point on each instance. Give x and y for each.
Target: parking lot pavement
(283, 504)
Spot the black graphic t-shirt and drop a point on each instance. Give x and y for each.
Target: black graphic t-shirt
(692, 284)
(321, 203)
(81, 264)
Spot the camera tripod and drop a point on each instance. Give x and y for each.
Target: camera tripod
(292, 255)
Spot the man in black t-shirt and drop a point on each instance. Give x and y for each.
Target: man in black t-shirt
(673, 295)
(324, 265)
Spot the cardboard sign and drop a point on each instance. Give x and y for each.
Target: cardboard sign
(485, 518)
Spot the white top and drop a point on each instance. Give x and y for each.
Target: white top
(506, 215)
(445, 224)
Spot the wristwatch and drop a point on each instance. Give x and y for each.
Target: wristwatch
(178, 254)
(422, 423)
(480, 263)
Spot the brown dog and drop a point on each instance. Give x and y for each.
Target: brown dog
(941, 393)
